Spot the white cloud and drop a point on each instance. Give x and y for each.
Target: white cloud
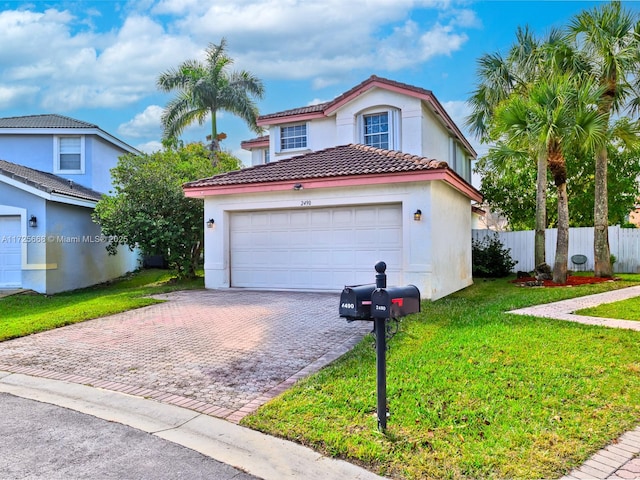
(150, 147)
(144, 124)
(59, 60)
(10, 95)
(298, 39)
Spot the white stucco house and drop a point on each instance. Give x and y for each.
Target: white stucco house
(379, 173)
(53, 171)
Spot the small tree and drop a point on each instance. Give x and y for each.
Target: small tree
(149, 210)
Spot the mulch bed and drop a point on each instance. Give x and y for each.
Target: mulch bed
(572, 281)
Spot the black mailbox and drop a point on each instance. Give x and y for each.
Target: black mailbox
(355, 302)
(395, 302)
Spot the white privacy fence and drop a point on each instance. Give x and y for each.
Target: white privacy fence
(624, 243)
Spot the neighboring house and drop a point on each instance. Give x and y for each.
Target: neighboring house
(379, 173)
(53, 171)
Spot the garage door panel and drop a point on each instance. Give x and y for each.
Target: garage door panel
(343, 218)
(281, 238)
(342, 258)
(366, 237)
(10, 252)
(388, 215)
(322, 249)
(389, 236)
(321, 218)
(319, 259)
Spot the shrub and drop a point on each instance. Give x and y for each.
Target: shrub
(490, 258)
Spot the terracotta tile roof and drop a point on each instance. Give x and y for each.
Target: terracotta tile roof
(342, 161)
(43, 121)
(255, 141)
(321, 107)
(297, 111)
(47, 182)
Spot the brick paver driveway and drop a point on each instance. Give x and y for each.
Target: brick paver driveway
(220, 352)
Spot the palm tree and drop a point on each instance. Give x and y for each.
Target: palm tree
(528, 61)
(610, 37)
(557, 117)
(204, 89)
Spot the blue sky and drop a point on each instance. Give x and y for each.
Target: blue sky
(98, 61)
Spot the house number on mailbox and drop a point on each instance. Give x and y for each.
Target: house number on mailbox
(305, 203)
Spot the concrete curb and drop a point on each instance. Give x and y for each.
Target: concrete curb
(256, 453)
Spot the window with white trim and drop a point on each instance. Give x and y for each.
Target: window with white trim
(69, 154)
(266, 157)
(376, 130)
(293, 137)
(380, 129)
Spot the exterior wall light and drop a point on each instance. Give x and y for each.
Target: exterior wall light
(418, 215)
(33, 221)
(298, 186)
(211, 223)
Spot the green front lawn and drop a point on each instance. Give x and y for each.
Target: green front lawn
(28, 313)
(473, 392)
(624, 310)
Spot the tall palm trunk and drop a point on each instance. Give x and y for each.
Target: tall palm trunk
(601, 252)
(558, 167)
(541, 210)
(562, 243)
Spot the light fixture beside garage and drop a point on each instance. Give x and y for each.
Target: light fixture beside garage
(298, 186)
(211, 223)
(33, 221)
(418, 215)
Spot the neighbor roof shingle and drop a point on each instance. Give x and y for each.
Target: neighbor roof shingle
(47, 182)
(43, 121)
(345, 160)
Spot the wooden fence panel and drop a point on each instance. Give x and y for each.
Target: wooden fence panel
(623, 242)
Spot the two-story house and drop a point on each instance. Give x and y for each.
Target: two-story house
(381, 172)
(53, 171)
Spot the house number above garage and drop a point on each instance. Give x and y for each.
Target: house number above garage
(305, 203)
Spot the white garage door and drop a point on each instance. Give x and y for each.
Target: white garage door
(321, 249)
(10, 252)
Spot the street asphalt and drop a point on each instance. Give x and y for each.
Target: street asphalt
(41, 440)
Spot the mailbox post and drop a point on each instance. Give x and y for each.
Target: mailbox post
(380, 304)
(380, 326)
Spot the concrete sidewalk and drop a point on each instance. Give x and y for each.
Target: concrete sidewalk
(620, 460)
(260, 455)
(564, 309)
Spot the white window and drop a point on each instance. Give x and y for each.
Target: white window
(380, 129)
(293, 137)
(265, 156)
(376, 130)
(69, 154)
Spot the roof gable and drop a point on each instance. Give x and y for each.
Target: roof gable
(328, 108)
(47, 182)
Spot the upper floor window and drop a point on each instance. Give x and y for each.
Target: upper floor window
(376, 130)
(266, 156)
(380, 129)
(294, 136)
(69, 154)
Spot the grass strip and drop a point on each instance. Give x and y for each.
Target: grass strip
(474, 392)
(30, 312)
